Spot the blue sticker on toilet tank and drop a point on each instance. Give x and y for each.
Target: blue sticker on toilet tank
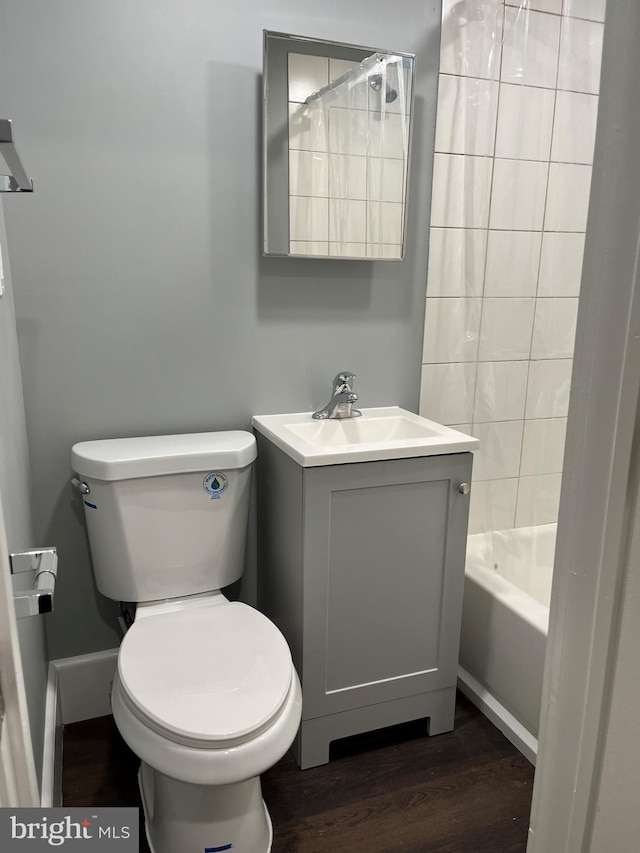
(214, 484)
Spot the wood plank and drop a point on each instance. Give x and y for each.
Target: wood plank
(468, 791)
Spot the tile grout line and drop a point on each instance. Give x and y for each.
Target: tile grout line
(490, 190)
(511, 159)
(507, 83)
(544, 214)
(489, 207)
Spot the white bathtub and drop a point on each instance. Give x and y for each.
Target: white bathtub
(505, 619)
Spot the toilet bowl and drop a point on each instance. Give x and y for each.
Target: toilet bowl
(205, 692)
(206, 695)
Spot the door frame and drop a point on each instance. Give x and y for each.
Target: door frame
(18, 781)
(597, 491)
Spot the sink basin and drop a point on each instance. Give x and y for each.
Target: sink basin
(383, 433)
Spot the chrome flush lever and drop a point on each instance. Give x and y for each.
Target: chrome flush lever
(82, 487)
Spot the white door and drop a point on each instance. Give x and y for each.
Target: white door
(18, 784)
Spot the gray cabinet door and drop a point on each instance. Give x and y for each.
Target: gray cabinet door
(383, 554)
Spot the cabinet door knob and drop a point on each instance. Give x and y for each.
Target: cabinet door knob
(464, 488)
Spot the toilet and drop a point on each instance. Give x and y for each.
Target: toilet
(205, 692)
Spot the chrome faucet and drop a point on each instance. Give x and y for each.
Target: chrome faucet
(341, 403)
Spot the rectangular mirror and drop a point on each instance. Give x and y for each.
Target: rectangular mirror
(336, 137)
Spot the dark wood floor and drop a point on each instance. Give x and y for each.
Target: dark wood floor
(468, 791)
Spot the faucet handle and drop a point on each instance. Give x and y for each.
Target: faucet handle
(343, 378)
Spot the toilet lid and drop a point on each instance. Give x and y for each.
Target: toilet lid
(206, 674)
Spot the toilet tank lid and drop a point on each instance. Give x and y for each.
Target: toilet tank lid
(153, 456)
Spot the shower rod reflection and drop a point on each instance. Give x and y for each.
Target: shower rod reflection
(17, 181)
(360, 73)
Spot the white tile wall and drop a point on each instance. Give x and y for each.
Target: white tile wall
(347, 176)
(356, 97)
(456, 262)
(469, 38)
(501, 391)
(543, 446)
(580, 55)
(567, 197)
(518, 195)
(348, 250)
(462, 427)
(307, 129)
(385, 179)
(525, 122)
(349, 163)
(460, 191)
(384, 250)
(308, 218)
(513, 258)
(451, 330)
(456, 97)
(446, 393)
(554, 328)
(493, 505)
(514, 147)
(308, 173)
(507, 326)
(593, 10)
(309, 247)
(574, 127)
(552, 6)
(538, 500)
(560, 264)
(500, 450)
(384, 222)
(347, 220)
(548, 389)
(348, 131)
(338, 67)
(387, 138)
(530, 52)
(307, 74)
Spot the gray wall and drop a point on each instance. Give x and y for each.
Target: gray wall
(143, 303)
(15, 489)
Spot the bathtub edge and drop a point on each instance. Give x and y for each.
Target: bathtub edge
(496, 713)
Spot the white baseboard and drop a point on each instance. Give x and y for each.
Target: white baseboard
(84, 685)
(51, 784)
(495, 711)
(78, 688)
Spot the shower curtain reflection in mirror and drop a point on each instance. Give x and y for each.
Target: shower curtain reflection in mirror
(347, 144)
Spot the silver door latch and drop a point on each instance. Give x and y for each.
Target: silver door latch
(44, 562)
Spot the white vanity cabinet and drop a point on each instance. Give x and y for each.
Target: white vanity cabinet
(361, 566)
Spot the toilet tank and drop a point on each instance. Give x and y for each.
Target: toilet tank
(166, 515)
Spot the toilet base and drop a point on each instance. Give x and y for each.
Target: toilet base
(190, 818)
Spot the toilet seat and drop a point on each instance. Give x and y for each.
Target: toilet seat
(205, 677)
(209, 766)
